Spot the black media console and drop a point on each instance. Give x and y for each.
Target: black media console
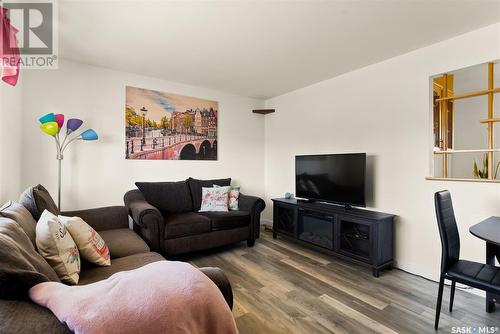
(358, 235)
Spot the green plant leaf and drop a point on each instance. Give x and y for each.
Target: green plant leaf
(496, 170)
(485, 166)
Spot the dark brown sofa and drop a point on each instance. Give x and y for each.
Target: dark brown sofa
(128, 251)
(166, 215)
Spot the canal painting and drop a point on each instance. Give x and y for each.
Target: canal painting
(166, 126)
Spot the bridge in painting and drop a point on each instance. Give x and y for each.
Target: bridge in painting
(177, 147)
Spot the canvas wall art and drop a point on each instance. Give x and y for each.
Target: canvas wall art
(166, 126)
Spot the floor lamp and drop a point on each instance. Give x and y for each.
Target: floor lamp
(52, 124)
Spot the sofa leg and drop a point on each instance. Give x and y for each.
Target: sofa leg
(250, 242)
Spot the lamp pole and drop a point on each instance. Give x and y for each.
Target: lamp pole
(144, 111)
(59, 160)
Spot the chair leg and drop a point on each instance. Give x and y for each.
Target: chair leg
(439, 300)
(452, 295)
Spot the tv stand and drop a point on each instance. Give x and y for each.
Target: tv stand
(304, 200)
(357, 235)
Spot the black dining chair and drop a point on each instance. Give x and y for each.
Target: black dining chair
(478, 275)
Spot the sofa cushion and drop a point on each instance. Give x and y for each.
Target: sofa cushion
(19, 316)
(167, 196)
(123, 242)
(195, 186)
(94, 274)
(21, 267)
(22, 216)
(184, 224)
(227, 220)
(37, 200)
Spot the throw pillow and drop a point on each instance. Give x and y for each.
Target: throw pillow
(214, 199)
(90, 244)
(233, 197)
(22, 216)
(37, 200)
(195, 186)
(21, 267)
(55, 244)
(167, 196)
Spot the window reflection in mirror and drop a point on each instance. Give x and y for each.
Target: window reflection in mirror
(465, 123)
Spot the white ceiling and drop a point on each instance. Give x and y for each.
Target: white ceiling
(261, 48)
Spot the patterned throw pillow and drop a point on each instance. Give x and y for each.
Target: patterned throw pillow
(56, 245)
(232, 198)
(214, 199)
(90, 244)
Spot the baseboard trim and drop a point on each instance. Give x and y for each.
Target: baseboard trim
(267, 225)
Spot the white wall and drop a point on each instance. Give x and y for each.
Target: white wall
(97, 173)
(10, 140)
(384, 110)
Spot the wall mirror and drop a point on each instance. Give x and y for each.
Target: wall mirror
(466, 124)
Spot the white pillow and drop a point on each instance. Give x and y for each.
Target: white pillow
(233, 197)
(90, 244)
(214, 199)
(55, 244)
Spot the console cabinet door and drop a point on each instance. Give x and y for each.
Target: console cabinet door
(284, 219)
(355, 238)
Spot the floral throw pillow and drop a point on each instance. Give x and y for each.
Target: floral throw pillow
(90, 244)
(214, 199)
(233, 197)
(56, 245)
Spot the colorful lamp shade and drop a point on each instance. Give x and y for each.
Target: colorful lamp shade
(59, 118)
(73, 124)
(47, 118)
(89, 134)
(52, 124)
(50, 128)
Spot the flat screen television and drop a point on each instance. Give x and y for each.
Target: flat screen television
(333, 178)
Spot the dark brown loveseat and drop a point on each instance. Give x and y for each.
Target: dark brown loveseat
(22, 267)
(166, 215)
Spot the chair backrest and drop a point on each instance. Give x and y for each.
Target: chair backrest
(450, 239)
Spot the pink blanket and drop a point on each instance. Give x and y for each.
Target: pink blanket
(161, 297)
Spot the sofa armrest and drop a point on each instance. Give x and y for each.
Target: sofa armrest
(220, 279)
(26, 317)
(254, 205)
(148, 220)
(106, 218)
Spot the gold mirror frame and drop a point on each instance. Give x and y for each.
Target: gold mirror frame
(442, 105)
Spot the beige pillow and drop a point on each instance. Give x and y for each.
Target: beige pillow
(56, 245)
(90, 244)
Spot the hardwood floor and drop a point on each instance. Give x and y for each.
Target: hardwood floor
(281, 287)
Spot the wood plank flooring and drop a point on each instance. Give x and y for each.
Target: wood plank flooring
(281, 287)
